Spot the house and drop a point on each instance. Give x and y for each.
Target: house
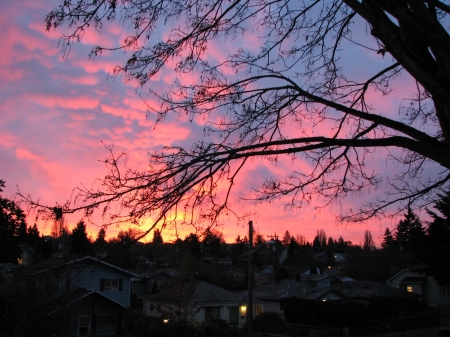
(436, 295)
(7, 272)
(363, 291)
(85, 312)
(319, 280)
(271, 295)
(265, 276)
(26, 257)
(87, 295)
(198, 301)
(340, 257)
(412, 281)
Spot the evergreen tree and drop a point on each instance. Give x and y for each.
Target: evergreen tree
(293, 247)
(410, 233)
(12, 222)
(100, 242)
(286, 238)
(437, 252)
(340, 245)
(79, 241)
(388, 239)
(330, 245)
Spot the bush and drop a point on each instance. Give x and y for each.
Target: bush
(269, 322)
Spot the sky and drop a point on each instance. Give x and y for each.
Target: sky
(59, 115)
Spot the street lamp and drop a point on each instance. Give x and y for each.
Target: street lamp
(250, 277)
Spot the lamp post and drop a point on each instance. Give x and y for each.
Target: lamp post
(250, 278)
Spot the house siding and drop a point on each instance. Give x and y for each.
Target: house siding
(430, 290)
(89, 277)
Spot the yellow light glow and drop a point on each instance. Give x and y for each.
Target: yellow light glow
(166, 321)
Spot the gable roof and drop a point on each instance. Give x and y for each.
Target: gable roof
(291, 288)
(414, 279)
(318, 277)
(201, 293)
(89, 260)
(74, 297)
(411, 270)
(367, 289)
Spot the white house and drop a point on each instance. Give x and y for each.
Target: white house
(198, 301)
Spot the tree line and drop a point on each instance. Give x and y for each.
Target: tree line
(411, 241)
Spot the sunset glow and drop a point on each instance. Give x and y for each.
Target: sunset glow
(59, 115)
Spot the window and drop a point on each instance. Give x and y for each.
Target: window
(233, 315)
(83, 325)
(212, 313)
(114, 284)
(409, 289)
(445, 292)
(257, 310)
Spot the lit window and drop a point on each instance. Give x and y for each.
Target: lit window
(409, 289)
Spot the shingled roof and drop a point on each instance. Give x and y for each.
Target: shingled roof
(367, 289)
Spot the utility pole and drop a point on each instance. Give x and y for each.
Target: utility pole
(274, 238)
(250, 280)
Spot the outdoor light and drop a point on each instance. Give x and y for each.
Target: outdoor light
(243, 309)
(166, 321)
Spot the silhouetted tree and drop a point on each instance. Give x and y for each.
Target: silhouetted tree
(212, 241)
(12, 219)
(368, 244)
(331, 245)
(320, 240)
(129, 236)
(437, 245)
(100, 241)
(286, 238)
(293, 247)
(297, 71)
(340, 245)
(388, 239)
(79, 241)
(193, 244)
(157, 237)
(410, 233)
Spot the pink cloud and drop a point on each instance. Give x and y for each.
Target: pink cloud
(81, 80)
(94, 66)
(82, 117)
(73, 103)
(25, 154)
